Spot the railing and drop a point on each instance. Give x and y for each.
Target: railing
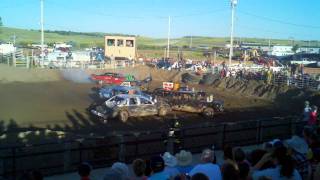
(61, 157)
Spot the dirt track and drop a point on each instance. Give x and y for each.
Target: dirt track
(45, 99)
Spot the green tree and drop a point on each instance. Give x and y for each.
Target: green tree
(1, 22)
(295, 48)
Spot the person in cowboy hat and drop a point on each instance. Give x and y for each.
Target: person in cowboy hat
(170, 163)
(298, 149)
(184, 160)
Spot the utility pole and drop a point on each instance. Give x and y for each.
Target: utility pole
(233, 5)
(14, 61)
(269, 44)
(42, 31)
(14, 39)
(168, 46)
(190, 42)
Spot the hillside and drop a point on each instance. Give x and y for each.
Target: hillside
(82, 40)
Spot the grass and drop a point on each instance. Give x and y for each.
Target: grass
(147, 46)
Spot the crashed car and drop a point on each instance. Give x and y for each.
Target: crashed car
(182, 91)
(193, 105)
(110, 91)
(108, 78)
(124, 106)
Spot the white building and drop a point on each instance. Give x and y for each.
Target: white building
(282, 51)
(287, 50)
(6, 48)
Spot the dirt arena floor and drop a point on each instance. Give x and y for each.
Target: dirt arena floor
(58, 100)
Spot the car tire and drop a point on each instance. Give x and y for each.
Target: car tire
(208, 112)
(162, 111)
(123, 116)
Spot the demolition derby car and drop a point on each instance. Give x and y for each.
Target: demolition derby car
(109, 78)
(109, 91)
(124, 106)
(202, 107)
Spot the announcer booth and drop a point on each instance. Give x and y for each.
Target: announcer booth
(120, 48)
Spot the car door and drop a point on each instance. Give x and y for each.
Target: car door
(133, 107)
(117, 79)
(147, 107)
(107, 77)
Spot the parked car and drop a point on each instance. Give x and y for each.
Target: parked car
(110, 91)
(109, 78)
(124, 106)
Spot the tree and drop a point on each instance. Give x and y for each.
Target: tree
(295, 48)
(1, 22)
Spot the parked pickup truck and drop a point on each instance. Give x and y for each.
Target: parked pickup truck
(124, 106)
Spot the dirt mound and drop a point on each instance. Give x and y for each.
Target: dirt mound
(190, 78)
(250, 88)
(141, 72)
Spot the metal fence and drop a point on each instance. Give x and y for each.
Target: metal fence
(61, 157)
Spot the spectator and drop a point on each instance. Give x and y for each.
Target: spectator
(313, 116)
(244, 170)
(170, 162)
(139, 167)
(118, 171)
(243, 165)
(207, 167)
(306, 111)
(239, 155)
(84, 171)
(148, 169)
(298, 149)
(184, 160)
(230, 171)
(227, 154)
(284, 166)
(199, 176)
(157, 166)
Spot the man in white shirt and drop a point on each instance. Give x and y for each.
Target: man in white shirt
(212, 171)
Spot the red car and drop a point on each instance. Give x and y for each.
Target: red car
(109, 78)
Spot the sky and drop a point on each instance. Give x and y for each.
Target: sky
(281, 19)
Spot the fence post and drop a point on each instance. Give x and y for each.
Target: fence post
(28, 62)
(14, 168)
(258, 135)
(223, 134)
(260, 131)
(292, 127)
(67, 156)
(122, 149)
(80, 149)
(136, 135)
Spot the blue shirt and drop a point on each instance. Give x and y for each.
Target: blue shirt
(212, 171)
(159, 176)
(184, 169)
(274, 173)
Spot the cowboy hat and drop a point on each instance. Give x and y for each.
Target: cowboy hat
(184, 158)
(298, 144)
(169, 159)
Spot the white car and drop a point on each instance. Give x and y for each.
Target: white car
(124, 106)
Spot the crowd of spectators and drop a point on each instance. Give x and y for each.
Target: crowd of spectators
(296, 158)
